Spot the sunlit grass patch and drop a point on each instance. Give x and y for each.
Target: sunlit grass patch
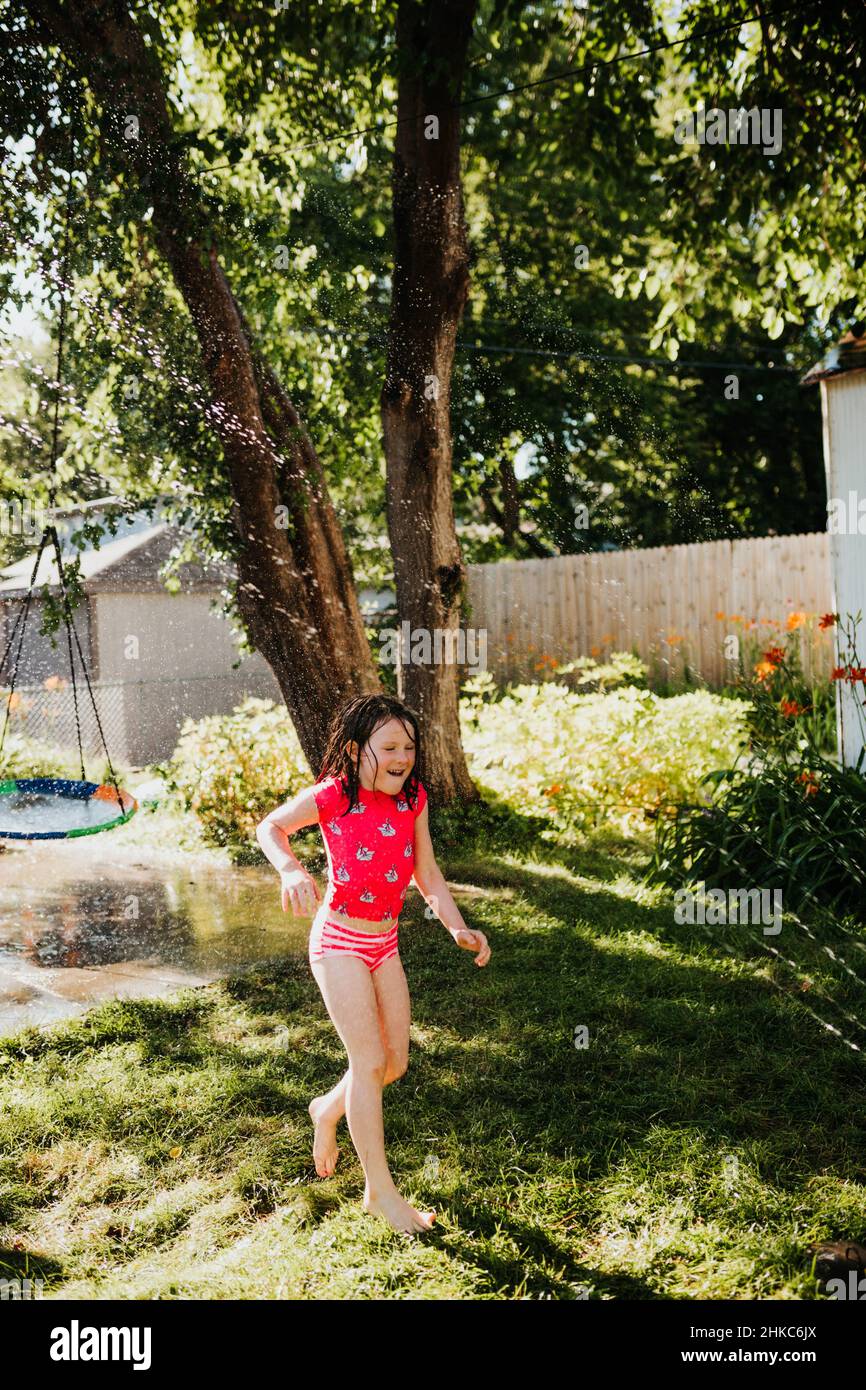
(162, 1148)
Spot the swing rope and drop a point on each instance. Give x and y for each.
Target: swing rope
(50, 532)
(70, 628)
(23, 611)
(72, 632)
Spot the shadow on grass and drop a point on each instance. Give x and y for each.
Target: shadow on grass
(682, 1038)
(691, 1057)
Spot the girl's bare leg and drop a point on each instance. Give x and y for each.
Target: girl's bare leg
(351, 998)
(326, 1111)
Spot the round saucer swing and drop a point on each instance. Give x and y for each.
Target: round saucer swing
(57, 808)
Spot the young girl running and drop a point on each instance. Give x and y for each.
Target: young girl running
(372, 811)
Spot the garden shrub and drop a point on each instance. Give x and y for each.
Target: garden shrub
(542, 756)
(586, 761)
(479, 825)
(590, 676)
(28, 757)
(232, 769)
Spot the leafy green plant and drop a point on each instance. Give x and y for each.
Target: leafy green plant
(478, 825)
(28, 757)
(231, 769)
(790, 817)
(622, 668)
(788, 705)
(585, 761)
(798, 828)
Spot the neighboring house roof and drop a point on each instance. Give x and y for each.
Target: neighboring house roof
(848, 355)
(121, 564)
(131, 563)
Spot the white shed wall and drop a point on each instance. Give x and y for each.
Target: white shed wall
(843, 402)
(183, 669)
(177, 635)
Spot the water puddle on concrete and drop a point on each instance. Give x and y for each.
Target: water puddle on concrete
(76, 929)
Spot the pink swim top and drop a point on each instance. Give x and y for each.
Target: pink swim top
(371, 851)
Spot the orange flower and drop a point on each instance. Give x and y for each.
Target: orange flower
(791, 709)
(594, 651)
(838, 673)
(736, 617)
(720, 615)
(857, 673)
(764, 669)
(673, 637)
(608, 637)
(795, 620)
(828, 620)
(775, 655)
(551, 791)
(810, 783)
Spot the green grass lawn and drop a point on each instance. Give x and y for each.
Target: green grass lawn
(709, 1132)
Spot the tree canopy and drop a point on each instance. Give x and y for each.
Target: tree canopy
(591, 398)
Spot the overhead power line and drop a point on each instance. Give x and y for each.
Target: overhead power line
(646, 361)
(564, 75)
(573, 354)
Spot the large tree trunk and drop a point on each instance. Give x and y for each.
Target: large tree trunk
(430, 285)
(296, 594)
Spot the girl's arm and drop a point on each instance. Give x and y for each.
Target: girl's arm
(298, 887)
(430, 881)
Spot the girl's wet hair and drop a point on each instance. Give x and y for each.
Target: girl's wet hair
(356, 722)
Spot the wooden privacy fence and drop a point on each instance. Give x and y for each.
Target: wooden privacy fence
(662, 603)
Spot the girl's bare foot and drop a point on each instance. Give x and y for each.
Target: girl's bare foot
(325, 1151)
(398, 1213)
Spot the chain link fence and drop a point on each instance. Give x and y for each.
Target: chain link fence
(140, 719)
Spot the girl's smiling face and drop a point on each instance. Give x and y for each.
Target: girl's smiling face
(392, 747)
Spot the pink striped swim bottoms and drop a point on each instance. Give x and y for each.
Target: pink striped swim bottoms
(330, 938)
